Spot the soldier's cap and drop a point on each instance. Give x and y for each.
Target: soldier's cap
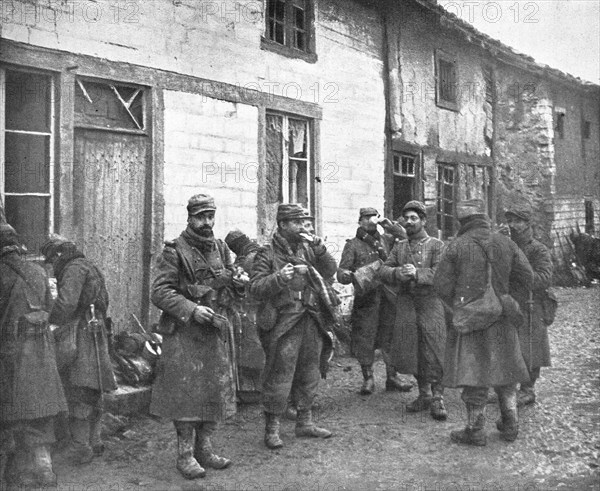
(367, 212)
(415, 206)
(469, 208)
(200, 203)
(291, 211)
(519, 210)
(55, 244)
(239, 242)
(307, 214)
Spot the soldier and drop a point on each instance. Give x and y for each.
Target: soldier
(298, 305)
(534, 338)
(194, 387)
(420, 318)
(85, 368)
(31, 393)
(373, 312)
(250, 355)
(490, 356)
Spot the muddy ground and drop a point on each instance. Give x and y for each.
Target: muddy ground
(377, 446)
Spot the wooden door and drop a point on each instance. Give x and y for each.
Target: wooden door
(110, 198)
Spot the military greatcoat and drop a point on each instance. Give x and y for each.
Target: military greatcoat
(489, 357)
(30, 386)
(194, 379)
(80, 284)
(372, 312)
(539, 258)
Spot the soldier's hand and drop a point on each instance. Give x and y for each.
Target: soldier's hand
(385, 223)
(287, 272)
(318, 245)
(346, 277)
(203, 314)
(409, 270)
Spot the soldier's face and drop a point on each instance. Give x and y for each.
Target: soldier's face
(413, 223)
(309, 227)
(368, 222)
(202, 223)
(516, 225)
(293, 228)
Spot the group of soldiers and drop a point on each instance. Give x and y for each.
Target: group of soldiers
(54, 359)
(407, 288)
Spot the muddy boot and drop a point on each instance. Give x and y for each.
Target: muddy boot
(438, 409)
(368, 386)
(474, 432)
(272, 423)
(95, 436)
(80, 451)
(187, 465)
(423, 401)
(508, 424)
(306, 427)
(42, 467)
(203, 451)
(394, 382)
(526, 395)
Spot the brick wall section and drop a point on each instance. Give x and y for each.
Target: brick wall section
(210, 147)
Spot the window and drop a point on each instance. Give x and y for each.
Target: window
(587, 130)
(289, 28)
(27, 127)
(405, 181)
(446, 81)
(289, 164)
(446, 198)
(559, 128)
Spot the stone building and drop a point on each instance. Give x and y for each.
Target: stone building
(112, 113)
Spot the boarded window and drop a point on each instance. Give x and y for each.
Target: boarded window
(289, 166)
(27, 156)
(446, 81)
(406, 184)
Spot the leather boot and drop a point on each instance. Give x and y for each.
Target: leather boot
(306, 427)
(474, 432)
(290, 411)
(438, 409)
(80, 451)
(203, 451)
(368, 386)
(187, 465)
(526, 394)
(272, 423)
(423, 400)
(394, 382)
(42, 467)
(508, 424)
(95, 429)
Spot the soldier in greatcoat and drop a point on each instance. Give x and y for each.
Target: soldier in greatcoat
(194, 387)
(85, 372)
(489, 357)
(250, 354)
(288, 276)
(420, 319)
(373, 311)
(31, 392)
(535, 345)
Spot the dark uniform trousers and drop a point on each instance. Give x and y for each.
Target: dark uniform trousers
(295, 367)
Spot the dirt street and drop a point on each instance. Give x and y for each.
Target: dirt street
(377, 446)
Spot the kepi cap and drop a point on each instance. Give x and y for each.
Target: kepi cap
(415, 205)
(200, 203)
(291, 211)
(470, 207)
(367, 212)
(520, 210)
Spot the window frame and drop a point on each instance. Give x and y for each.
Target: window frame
(53, 138)
(439, 57)
(441, 217)
(286, 48)
(560, 118)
